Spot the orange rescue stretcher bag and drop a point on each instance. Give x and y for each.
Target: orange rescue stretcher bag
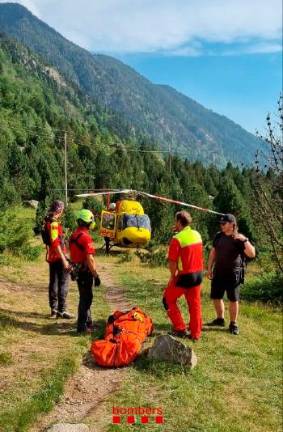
(124, 335)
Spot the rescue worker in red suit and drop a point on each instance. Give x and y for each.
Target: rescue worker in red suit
(82, 252)
(58, 263)
(185, 259)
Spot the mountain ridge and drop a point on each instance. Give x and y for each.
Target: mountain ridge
(160, 112)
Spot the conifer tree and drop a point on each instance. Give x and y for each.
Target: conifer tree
(268, 188)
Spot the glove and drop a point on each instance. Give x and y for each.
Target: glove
(97, 281)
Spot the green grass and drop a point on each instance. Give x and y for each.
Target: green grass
(236, 385)
(5, 358)
(37, 355)
(23, 414)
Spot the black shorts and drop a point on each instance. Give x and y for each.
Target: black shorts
(230, 284)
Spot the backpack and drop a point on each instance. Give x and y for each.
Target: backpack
(45, 232)
(75, 241)
(124, 335)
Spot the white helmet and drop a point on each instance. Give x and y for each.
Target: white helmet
(112, 206)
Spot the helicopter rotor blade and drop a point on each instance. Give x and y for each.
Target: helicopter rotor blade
(148, 195)
(106, 192)
(169, 200)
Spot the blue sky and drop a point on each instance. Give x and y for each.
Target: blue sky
(225, 54)
(242, 87)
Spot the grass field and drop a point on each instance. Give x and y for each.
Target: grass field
(37, 354)
(237, 384)
(235, 387)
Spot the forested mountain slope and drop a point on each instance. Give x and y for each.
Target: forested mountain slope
(159, 112)
(39, 109)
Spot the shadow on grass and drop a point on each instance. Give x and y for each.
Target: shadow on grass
(98, 329)
(160, 329)
(25, 314)
(88, 361)
(164, 328)
(113, 252)
(59, 327)
(159, 369)
(206, 328)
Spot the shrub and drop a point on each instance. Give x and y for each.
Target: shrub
(40, 214)
(154, 257)
(92, 204)
(31, 253)
(125, 257)
(15, 235)
(69, 221)
(266, 288)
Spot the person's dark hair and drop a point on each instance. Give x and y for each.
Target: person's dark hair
(82, 223)
(184, 218)
(56, 207)
(235, 228)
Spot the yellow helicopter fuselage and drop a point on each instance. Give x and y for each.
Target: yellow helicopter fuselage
(127, 226)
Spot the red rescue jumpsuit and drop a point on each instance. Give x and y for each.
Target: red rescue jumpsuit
(81, 245)
(186, 250)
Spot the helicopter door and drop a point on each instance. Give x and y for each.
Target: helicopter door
(120, 226)
(107, 224)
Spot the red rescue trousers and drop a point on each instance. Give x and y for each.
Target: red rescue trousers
(192, 295)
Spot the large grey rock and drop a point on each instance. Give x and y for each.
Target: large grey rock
(168, 348)
(68, 427)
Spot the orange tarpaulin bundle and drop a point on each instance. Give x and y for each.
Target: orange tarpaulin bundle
(124, 335)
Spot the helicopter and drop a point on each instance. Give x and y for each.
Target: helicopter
(125, 223)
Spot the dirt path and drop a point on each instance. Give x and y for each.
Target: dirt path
(86, 391)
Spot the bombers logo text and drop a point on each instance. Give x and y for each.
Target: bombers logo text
(137, 415)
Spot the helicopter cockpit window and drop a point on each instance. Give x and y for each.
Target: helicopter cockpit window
(108, 221)
(137, 221)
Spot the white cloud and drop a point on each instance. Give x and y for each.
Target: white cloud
(262, 48)
(255, 48)
(186, 51)
(172, 26)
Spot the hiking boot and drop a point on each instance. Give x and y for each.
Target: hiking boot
(64, 315)
(220, 322)
(53, 314)
(233, 328)
(179, 333)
